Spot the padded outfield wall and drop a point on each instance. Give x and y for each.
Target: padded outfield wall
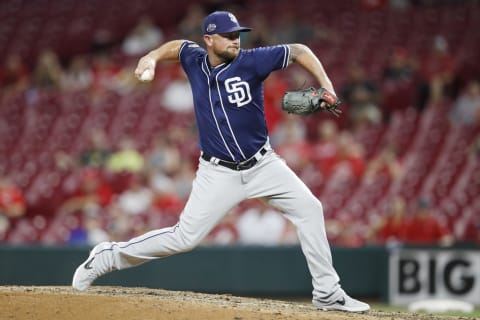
(372, 272)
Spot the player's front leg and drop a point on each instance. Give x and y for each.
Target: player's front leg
(286, 191)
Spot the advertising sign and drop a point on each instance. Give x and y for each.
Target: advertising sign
(418, 274)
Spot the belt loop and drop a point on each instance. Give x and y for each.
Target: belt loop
(267, 145)
(214, 161)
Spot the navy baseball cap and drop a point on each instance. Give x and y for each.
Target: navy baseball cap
(222, 22)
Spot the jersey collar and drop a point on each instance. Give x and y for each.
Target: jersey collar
(220, 66)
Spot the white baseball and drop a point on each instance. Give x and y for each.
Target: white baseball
(146, 75)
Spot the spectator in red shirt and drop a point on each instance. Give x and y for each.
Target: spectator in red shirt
(104, 73)
(289, 139)
(12, 201)
(92, 193)
(393, 227)
(423, 228)
(275, 87)
(325, 149)
(386, 163)
(14, 75)
(437, 71)
(350, 157)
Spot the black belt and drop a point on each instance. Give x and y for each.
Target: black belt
(247, 164)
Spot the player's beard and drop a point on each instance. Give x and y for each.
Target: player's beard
(229, 54)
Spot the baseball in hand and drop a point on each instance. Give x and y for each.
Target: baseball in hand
(146, 75)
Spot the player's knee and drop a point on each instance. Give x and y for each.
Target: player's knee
(188, 246)
(188, 242)
(313, 207)
(312, 202)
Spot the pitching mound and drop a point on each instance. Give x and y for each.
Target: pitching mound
(42, 303)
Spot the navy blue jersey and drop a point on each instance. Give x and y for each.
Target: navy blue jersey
(228, 98)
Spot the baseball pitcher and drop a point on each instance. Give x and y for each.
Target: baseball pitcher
(236, 160)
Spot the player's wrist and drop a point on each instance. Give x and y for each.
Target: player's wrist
(150, 60)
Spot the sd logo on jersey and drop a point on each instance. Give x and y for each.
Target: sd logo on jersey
(240, 91)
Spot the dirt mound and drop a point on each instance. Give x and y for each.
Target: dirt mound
(39, 303)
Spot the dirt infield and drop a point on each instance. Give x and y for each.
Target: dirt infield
(41, 303)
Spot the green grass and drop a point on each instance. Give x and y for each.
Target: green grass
(389, 308)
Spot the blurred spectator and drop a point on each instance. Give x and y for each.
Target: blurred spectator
(466, 109)
(184, 138)
(137, 198)
(104, 72)
(437, 71)
(225, 232)
(372, 5)
(183, 179)
(393, 227)
(168, 203)
(144, 37)
(290, 29)
(102, 41)
(160, 182)
(274, 89)
(124, 81)
(362, 97)
(291, 130)
(48, 71)
(262, 35)
(163, 155)
(467, 227)
(399, 77)
(424, 228)
(386, 163)
(345, 230)
(191, 23)
(351, 234)
(325, 148)
(260, 225)
(78, 75)
(350, 160)
(14, 74)
(64, 161)
(321, 157)
(78, 236)
(91, 194)
(126, 159)
(97, 152)
(400, 67)
(298, 78)
(290, 143)
(95, 232)
(177, 96)
(4, 227)
(12, 200)
(169, 175)
(119, 223)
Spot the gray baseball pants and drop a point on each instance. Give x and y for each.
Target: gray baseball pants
(215, 191)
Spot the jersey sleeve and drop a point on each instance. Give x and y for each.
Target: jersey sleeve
(189, 50)
(268, 59)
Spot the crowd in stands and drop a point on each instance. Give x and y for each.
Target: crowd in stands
(90, 154)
